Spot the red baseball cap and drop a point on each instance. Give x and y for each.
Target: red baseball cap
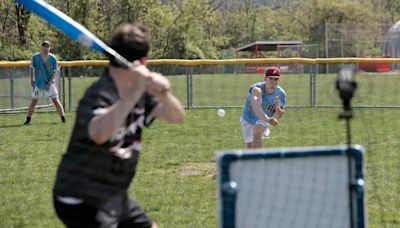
(273, 72)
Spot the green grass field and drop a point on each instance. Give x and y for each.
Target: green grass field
(176, 180)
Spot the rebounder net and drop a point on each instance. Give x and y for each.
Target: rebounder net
(293, 187)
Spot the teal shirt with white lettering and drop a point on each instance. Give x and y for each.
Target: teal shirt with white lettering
(42, 70)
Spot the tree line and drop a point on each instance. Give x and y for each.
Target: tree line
(190, 29)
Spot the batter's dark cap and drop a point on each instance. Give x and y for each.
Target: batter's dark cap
(46, 43)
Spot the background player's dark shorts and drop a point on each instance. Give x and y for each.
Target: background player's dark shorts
(86, 216)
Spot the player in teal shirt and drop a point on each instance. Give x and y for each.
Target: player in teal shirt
(44, 68)
(265, 102)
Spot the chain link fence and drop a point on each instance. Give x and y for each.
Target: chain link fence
(16, 90)
(222, 83)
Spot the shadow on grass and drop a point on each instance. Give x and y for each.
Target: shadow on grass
(22, 125)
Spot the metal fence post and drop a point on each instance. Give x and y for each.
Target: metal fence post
(12, 94)
(69, 89)
(189, 87)
(313, 85)
(62, 79)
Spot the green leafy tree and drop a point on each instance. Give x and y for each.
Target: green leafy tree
(196, 28)
(185, 29)
(358, 17)
(22, 22)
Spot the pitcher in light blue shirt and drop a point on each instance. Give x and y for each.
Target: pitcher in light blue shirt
(44, 68)
(265, 102)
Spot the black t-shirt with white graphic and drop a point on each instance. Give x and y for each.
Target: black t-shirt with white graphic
(96, 173)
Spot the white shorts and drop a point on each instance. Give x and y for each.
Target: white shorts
(39, 93)
(247, 129)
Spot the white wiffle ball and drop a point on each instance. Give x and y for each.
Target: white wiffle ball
(221, 112)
